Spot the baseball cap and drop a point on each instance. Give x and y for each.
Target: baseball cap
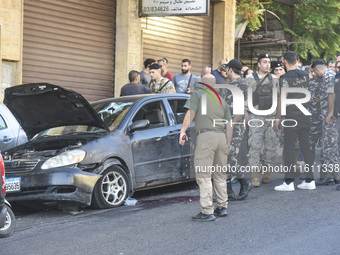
(235, 64)
(263, 55)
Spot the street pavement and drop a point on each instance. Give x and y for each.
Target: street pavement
(267, 222)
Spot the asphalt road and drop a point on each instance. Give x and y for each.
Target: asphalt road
(267, 222)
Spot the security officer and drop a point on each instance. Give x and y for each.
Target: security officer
(261, 132)
(295, 78)
(315, 133)
(211, 148)
(329, 150)
(337, 114)
(233, 71)
(278, 68)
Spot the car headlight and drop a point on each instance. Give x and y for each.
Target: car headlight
(64, 159)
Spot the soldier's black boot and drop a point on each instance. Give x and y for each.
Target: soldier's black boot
(244, 190)
(231, 194)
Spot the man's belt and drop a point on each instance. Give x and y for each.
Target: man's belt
(211, 130)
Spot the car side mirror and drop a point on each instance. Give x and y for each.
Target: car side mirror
(138, 125)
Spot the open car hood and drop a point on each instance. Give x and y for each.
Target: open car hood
(40, 106)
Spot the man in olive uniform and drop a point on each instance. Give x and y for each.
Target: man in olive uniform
(211, 149)
(262, 137)
(233, 71)
(329, 150)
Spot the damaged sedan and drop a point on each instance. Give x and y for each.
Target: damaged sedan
(94, 154)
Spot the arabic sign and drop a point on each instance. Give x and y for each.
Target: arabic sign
(173, 8)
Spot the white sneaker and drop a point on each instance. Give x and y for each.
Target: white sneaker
(285, 187)
(307, 185)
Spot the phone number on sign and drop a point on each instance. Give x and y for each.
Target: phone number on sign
(156, 9)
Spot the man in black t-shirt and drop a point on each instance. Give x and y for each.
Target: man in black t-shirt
(295, 78)
(134, 87)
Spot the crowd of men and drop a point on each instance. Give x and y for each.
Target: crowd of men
(298, 131)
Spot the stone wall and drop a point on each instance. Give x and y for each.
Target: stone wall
(11, 15)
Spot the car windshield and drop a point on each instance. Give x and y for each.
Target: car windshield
(111, 112)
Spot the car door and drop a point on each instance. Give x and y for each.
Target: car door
(187, 151)
(7, 135)
(155, 150)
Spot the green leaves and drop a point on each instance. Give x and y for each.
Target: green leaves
(249, 10)
(316, 27)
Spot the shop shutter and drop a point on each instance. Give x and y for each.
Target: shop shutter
(176, 38)
(70, 43)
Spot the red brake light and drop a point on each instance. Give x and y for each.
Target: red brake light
(3, 180)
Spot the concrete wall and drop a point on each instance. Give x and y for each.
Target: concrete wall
(128, 42)
(224, 31)
(11, 37)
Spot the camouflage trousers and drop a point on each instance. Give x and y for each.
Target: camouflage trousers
(315, 133)
(329, 150)
(262, 139)
(234, 149)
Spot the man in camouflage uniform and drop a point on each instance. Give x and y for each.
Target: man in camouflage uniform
(158, 83)
(233, 71)
(329, 150)
(337, 109)
(262, 136)
(315, 133)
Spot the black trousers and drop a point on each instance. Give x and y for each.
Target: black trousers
(301, 131)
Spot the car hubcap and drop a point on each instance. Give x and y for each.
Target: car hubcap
(113, 188)
(8, 222)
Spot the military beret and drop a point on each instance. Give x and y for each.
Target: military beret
(276, 64)
(155, 66)
(263, 55)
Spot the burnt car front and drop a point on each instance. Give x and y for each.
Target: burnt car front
(58, 123)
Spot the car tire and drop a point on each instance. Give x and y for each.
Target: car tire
(111, 189)
(10, 224)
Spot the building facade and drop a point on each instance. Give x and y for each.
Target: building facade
(90, 46)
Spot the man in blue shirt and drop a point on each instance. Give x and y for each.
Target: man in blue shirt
(220, 75)
(182, 80)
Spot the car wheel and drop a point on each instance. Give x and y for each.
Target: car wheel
(10, 224)
(111, 189)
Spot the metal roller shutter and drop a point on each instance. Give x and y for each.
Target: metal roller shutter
(70, 43)
(176, 38)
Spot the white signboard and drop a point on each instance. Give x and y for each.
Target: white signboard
(173, 7)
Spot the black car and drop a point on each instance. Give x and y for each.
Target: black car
(94, 154)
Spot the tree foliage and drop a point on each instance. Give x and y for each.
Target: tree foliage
(316, 27)
(249, 10)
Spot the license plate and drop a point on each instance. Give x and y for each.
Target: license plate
(13, 184)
